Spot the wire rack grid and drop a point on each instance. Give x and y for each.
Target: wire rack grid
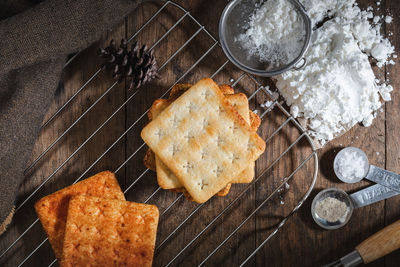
(275, 104)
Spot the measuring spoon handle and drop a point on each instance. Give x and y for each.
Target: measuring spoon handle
(384, 177)
(372, 194)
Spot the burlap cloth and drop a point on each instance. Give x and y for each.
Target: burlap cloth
(35, 39)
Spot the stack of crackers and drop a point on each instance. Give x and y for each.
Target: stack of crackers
(202, 139)
(91, 224)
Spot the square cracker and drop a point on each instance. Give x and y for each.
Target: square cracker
(150, 159)
(105, 232)
(176, 91)
(203, 140)
(166, 179)
(52, 209)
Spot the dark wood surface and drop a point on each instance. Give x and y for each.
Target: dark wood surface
(299, 243)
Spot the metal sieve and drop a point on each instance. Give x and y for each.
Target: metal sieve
(234, 16)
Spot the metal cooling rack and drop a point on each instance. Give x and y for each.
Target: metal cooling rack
(276, 104)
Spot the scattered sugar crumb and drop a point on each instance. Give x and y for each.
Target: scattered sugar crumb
(287, 186)
(377, 153)
(384, 90)
(267, 104)
(388, 19)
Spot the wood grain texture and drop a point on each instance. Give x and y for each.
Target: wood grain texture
(381, 243)
(392, 127)
(299, 243)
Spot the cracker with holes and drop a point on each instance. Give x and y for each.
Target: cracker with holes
(176, 91)
(150, 160)
(167, 180)
(165, 177)
(105, 232)
(52, 209)
(213, 143)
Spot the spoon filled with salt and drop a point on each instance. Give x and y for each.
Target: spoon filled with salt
(351, 165)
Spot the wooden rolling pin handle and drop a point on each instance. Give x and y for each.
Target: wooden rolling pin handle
(380, 244)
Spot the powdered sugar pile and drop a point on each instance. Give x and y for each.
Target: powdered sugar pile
(275, 33)
(337, 88)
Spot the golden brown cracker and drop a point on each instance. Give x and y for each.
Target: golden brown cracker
(150, 160)
(226, 89)
(104, 232)
(177, 90)
(52, 209)
(255, 120)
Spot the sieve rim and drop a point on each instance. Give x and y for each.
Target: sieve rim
(224, 44)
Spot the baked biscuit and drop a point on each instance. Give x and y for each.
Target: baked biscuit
(52, 209)
(104, 232)
(203, 140)
(167, 180)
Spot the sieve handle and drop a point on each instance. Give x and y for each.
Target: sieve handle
(302, 64)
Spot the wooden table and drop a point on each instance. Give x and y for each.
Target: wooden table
(299, 243)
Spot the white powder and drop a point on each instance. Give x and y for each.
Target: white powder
(337, 89)
(388, 19)
(267, 104)
(385, 90)
(346, 12)
(275, 33)
(331, 209)
(351, 165)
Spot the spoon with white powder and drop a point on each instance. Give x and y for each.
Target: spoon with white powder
(351, 165)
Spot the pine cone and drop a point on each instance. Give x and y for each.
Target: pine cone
(138, 66)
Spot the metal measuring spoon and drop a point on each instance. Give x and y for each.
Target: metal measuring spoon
(339, 195)
(371, 172)
(388, 185)
(361, 198)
